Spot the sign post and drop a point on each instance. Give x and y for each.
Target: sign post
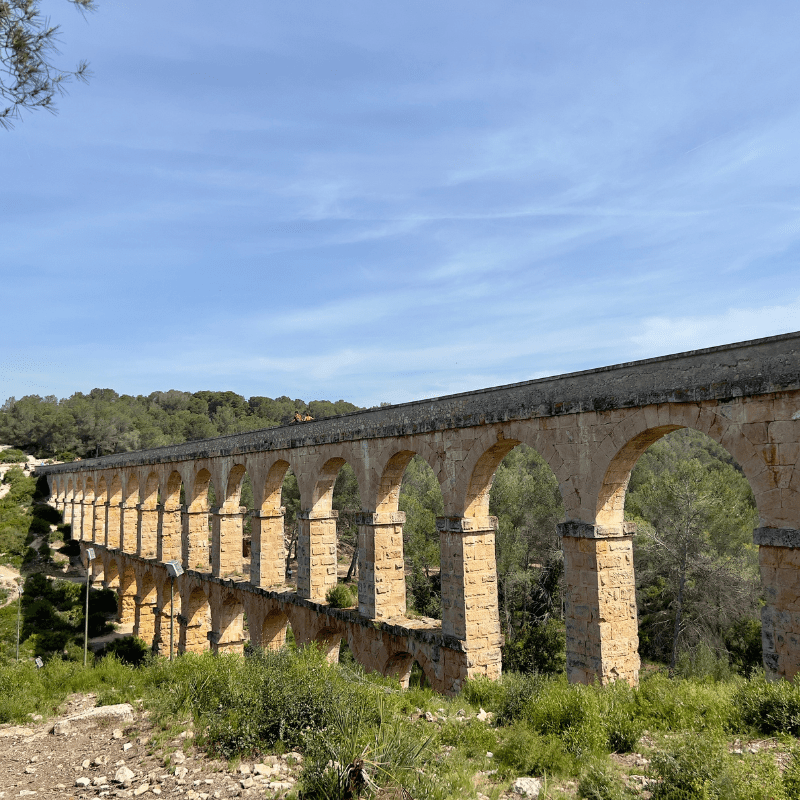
(175, 570)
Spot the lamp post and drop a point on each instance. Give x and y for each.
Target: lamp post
(89, 558)
(19, 617)
(175, 570)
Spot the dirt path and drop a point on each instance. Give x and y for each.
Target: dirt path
(115, 755)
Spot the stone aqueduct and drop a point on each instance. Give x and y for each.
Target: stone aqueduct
(589, 426)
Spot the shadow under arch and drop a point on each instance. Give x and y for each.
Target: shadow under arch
(228, 626)
(195, 623)
(273, 630)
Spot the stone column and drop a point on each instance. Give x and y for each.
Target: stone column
(77, 515)
(600, 603)
(69, 517)
(381, 570)
(148, 532)
(779, 563)
(113, 515)
(129, 528)
(194, 543)
(226, 542)
(145, 625)
(100, 522)
(267, 553)
(469, 592)
(316, 553)
(169, 543)
(127, 608)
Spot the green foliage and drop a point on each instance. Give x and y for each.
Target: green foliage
(538, 648)
(770, 706)
(688, 770)
(600, 781)
(696, 566)
(743, 642)
(47, 513)
(473, 738)
(524, 751)
(103, 421)
(12, 456)
(341, 596)
(128, 650)
(791, 775)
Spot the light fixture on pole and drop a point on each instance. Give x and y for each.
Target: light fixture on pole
(175, 570)
(19, 616)
(90, 556)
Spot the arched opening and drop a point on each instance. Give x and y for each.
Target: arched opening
(419, 497)
(200, 499)
(111, 577)
(399, 666)
(526, 500)
(346, 502)
(229, 627)
(273, 631)
(195, 623)
(329, 641)
(168, 619)
(696, 567)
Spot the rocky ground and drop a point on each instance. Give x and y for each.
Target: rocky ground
(113, 751)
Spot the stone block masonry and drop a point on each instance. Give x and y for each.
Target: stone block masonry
(590, 427)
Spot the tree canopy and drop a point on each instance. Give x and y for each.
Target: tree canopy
(28, 77)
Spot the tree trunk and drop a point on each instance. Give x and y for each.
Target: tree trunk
(353, 565)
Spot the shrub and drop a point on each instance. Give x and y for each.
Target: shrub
(599, 781)
(39, 527)
(525, 752)
(541, 649)
(689, 770)
(98, 626)
(47, 513)
(340, 596)
(104, 601)
(473, 738)
(45, 552)
(128, 650)
(12, 456)
(791, 776)
(571, 712)
(71, 548)
(770, 706)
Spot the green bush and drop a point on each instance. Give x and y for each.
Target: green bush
(128, 650)
(791, 776)
(12, 456)
(39, 527)
(689, 770)
(473, 738)
(340, 596)
(526, 752)
(45, 552)
(103, 601)
(47, 513)
(599, 781)
(770, 706)
(540, 649)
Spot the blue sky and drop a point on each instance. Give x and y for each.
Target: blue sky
(383, 202)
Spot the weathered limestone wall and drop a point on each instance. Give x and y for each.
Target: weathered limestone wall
(589, 427)
(600, 606)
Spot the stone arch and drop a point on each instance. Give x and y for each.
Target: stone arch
(273, 630)
(399, 666)
(228, 625)
(150, 491)
(99, 527)
(388, 494)
(273, 485)
(322, 493)
(170, 528)
(329, 640)
(476, 499)
(111, 577)
(234, 488)
(195, 622)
